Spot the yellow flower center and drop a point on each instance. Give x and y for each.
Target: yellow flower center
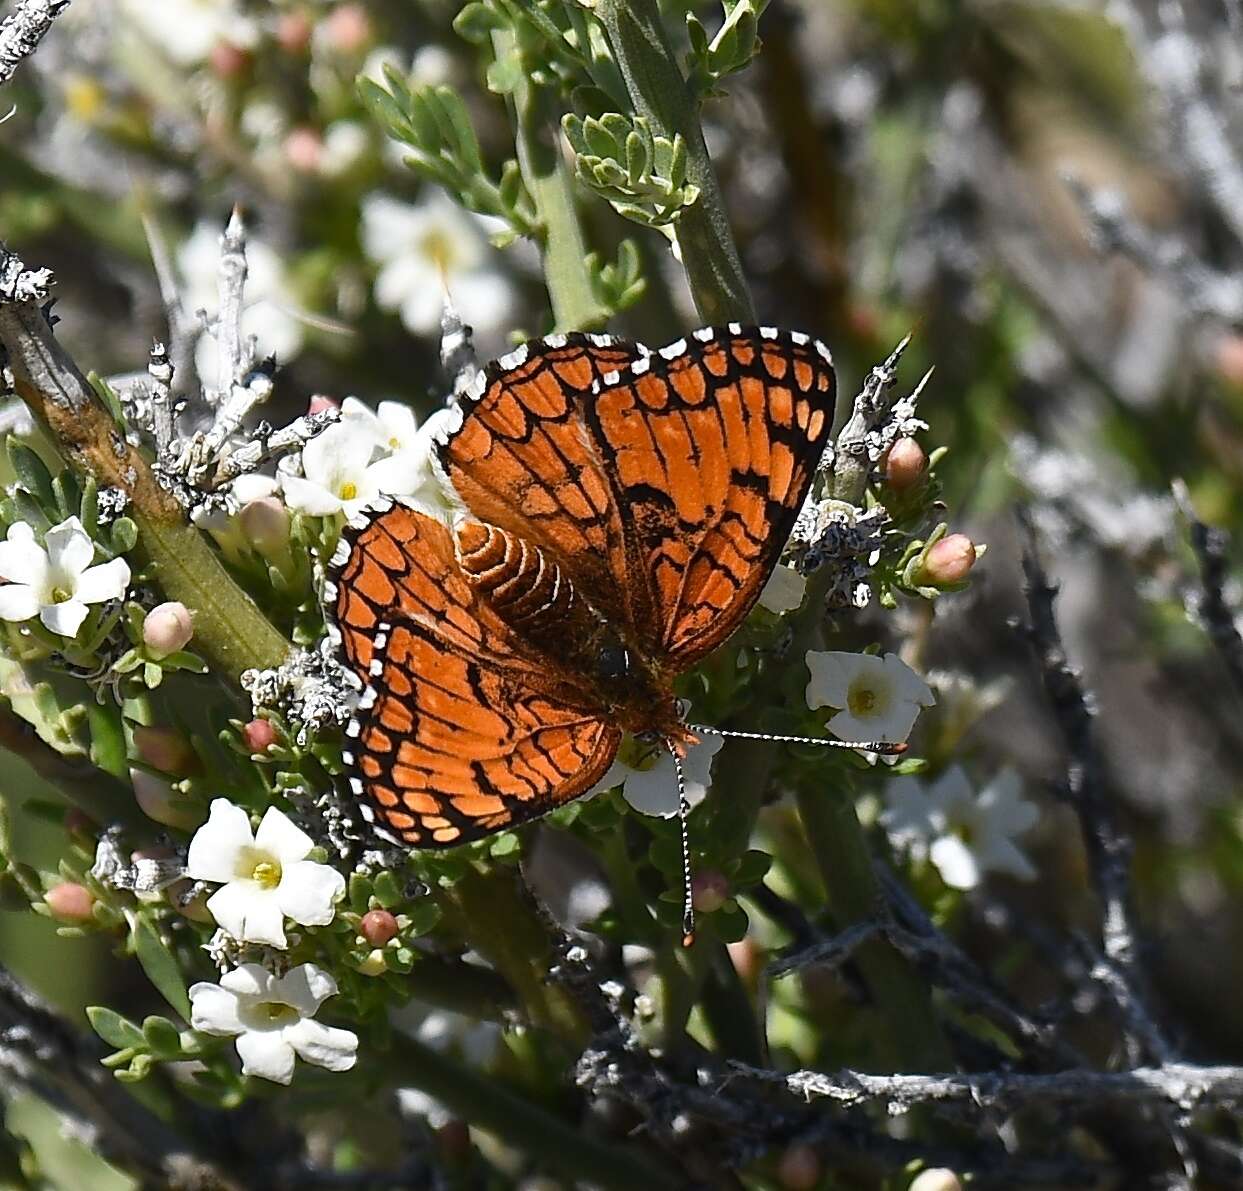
(61, 595)
(861, 700)
(267, 874)
(276, 1013)
(438, 248)
(349, 490)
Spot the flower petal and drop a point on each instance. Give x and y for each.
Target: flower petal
(267, 1054)
(22, 559)
(697, 767)
(907, 683)
(213, 1009)
(279, 835)
(617, 773)
(305, 987)
(343, 450)
(399, 424)
(397, 474)
(653, 791)
(214, 849)
(66, 618)
(957, 864)
(325, 1046)
(18, 601)
(309, 892)
(252, 982)
(107, 581)
(831, 675)
(249, 913)
(308, 497)
(70, 551)
(784, 590)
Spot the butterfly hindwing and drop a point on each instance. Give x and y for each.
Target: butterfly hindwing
(458, 733)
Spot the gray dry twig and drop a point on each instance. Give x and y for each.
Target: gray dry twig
(23, 29)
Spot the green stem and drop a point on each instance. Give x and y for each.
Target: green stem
(228, 626)
(544, 171)
(915, 1042)
(517, 1122)
(659, 92)
(501, 924)
(727, 1008)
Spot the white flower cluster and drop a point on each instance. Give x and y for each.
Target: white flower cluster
(367, 454)
(265, 877)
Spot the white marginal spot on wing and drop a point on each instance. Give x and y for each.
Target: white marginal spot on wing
(640, 366)
(768, 332)
(357, 786)
(353, 728)
(376, 668)
(734, 328)
(705, 334)
(673, 350)
(367, 700)
(611, 378)
(555, 341)
(347, 756)
(800, 337)
(515, 359)
(824, 352)
(340, 556)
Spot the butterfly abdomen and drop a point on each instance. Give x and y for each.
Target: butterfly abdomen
(525, 587)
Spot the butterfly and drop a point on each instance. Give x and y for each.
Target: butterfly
(619, 511)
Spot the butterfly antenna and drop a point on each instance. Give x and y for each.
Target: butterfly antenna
(684, 810)
(891, 749)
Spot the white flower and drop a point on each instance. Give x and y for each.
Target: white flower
(964, 835)
(340, 476)
(187, 30)
(58, 582)
(424, 248)
(269, 300)
(265, 874)
(271, 1018)
(345, 142)
(784, 590)
(879, 698)
(392, 425)
(649, 780)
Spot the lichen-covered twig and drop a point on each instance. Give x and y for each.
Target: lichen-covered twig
(1211, 546)
(1108, 848)
(1182, 1086)
(228, 626)
(23, 29)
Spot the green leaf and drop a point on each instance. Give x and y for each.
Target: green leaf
(476, 22)
(32, 472)
(158, 962)
(423, 914)
(386, 889)
(114, 1029)
(162, 1036)
(124, 535)
(107, 738)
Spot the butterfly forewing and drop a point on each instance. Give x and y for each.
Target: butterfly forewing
(660, 486)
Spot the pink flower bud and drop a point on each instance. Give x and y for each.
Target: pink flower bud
(159, 801)
(293, 31)
(258, 736)
(348, 27)
(79, 823)
(378, 927)
(948, 561)
(1228, 356)
(709, 889)
(304, 148)
(799, 1168)
(320, 402)
(265, 522)
(166, 750)
(228, 61)
(70, 902)
(904, 464)
(168, 628)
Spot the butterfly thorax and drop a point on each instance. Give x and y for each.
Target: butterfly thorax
(530, 591)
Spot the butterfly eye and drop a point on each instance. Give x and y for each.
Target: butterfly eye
(613, 662)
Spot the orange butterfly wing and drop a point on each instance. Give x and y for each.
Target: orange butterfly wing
(667, 488)
(714, 442)
(457, 733)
